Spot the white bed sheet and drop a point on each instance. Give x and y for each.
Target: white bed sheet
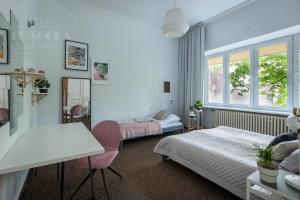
(223, 155)
(163, 126)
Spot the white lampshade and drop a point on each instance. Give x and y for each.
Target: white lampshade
(175, 24)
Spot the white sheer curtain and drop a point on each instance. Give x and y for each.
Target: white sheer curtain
(190, 70)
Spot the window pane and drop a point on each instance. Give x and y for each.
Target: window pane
(239, 78)
(215, 80)
(273, 75)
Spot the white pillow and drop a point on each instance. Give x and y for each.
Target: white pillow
(283, 149)
(171, 118)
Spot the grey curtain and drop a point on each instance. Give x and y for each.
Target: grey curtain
(190, 69)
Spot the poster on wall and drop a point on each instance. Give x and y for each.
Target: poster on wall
(3, 46)
(100, 72)
(76, 55)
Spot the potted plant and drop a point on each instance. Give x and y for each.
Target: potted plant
(267, 168)
(20, 85)
(43, 85)
(198, 105)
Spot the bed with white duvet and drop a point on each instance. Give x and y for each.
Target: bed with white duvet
(223, 155)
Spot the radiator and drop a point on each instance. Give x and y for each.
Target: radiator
(256, 122)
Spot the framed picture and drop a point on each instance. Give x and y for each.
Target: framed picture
(76, 55)
(100, 72)
(3, 46)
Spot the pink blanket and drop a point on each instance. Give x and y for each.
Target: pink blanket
(139, 129)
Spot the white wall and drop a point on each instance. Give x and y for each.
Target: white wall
(11, 184)
(138, 53)
(255, 19)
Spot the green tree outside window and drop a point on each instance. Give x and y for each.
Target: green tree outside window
(273, 75)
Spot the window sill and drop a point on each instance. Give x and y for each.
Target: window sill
(282, 113)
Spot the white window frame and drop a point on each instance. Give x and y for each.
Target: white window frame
(293, 75)
(287, 40)
(206, 79)
(228, 53)
(296, 66)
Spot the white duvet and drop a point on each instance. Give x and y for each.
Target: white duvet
(223, 154)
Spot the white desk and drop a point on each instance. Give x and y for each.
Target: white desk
(48, 145)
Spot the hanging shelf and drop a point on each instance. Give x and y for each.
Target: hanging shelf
(22, 77)
(37, 97)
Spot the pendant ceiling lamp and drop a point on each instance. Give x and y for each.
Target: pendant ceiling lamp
(175, 24)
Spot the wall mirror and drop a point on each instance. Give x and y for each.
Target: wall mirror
(15, 59)
(76, 100)
(16, 106)
(4, 100)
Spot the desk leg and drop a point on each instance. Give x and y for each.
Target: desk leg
(248, 190)
(62, 174)
(91, 178)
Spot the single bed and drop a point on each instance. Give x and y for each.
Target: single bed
(223, 155)
(149, 126)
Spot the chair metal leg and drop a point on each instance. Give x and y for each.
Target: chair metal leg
(57, 171)
(83, 182)
(103, 178)
(62, 174)
(115, 172)
(91, 177)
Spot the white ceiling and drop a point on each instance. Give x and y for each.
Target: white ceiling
(153, 11)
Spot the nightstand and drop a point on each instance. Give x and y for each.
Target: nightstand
(268, 191)
(192, 123)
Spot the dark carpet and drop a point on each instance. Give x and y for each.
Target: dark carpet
(145, 177)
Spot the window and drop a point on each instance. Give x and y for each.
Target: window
(239, 78)
(215, 80)
(273, 75)
(260, 76)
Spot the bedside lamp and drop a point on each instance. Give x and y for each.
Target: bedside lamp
(294, 124)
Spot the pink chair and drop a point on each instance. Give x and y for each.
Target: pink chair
(4, 115)
(74, 112)
(108, 133)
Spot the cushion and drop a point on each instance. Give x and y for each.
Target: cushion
(291, 163)
(283, 137)
(162, 114)
(171, 118)
(283, 149)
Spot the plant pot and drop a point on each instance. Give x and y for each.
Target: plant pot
(43, 90)
(268, 175)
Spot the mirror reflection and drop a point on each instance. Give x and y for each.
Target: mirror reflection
(16, 106)
(11, 91)
(76, 100)
(4, 100)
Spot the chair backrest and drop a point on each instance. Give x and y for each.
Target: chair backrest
(108, 133)
(4, 115)
(76, 110)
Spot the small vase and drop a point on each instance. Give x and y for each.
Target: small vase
(268, 175)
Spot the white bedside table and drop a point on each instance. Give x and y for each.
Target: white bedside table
(270, 191)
